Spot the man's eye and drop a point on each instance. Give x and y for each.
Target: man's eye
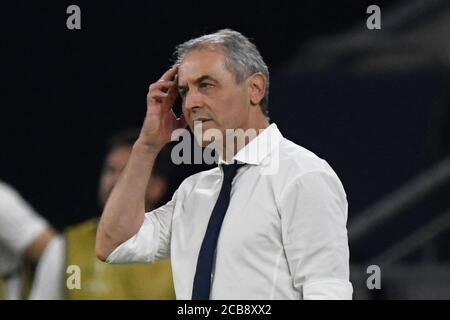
(205, 85)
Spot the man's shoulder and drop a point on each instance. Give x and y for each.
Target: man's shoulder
(298, 160)
(300, 167)
(7, 193)
(4, 187)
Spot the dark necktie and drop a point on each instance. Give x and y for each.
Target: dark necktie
(202, 279)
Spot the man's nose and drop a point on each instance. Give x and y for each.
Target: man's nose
(193, 101)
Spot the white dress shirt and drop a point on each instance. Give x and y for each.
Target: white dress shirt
(19, 227)
(49, 277)
(284, 235)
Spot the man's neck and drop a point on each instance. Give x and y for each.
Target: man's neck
(240, 138)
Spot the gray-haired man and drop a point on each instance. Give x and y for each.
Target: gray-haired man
(238, 231)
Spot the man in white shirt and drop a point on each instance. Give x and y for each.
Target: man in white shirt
(268, 223)
(24, 235)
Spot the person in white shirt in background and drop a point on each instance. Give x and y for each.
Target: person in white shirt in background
(284, 234)
(24, 236)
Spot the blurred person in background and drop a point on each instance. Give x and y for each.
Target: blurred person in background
(76, 247)
(24, 236)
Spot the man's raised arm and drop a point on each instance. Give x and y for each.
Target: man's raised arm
(124, 211)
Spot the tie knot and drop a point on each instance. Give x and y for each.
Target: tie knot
(230, 170)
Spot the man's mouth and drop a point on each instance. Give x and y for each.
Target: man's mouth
(201, 120)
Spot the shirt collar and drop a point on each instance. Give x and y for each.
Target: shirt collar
(258, 148)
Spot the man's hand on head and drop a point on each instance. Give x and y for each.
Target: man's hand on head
(160, 120)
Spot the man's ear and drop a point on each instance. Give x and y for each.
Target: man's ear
(257, 87)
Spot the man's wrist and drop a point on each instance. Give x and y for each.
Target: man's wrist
(148, 151)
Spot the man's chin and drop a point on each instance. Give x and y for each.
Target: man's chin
(205, 142)
(205, 135)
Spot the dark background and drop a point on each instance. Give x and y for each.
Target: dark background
(66, 91)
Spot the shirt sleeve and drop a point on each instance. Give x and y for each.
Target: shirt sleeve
(48, 282)
(19, 223)
(152, 241)
(314, 216)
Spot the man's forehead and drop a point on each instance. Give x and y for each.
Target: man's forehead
(200, 64)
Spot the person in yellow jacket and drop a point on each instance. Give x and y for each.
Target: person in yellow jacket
(69, 268)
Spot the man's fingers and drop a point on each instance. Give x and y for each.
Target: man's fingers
(165, 90)
(169, 74)
(173, 91)
(158, 96)
(162, 85)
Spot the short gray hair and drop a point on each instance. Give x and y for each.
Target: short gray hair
(242, 57)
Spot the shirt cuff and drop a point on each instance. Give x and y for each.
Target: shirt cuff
(328, 290)
(140, 248)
